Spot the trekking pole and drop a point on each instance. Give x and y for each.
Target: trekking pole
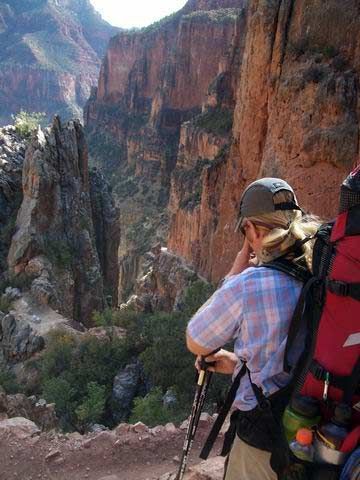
(202, 386)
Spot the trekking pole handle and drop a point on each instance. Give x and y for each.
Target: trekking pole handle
(204, 365)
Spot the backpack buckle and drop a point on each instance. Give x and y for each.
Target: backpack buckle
(338, 287)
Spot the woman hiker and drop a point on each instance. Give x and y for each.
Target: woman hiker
(253, 308)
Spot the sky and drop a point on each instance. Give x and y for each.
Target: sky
(135, 13)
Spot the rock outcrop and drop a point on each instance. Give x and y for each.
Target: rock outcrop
(107, 233)
(164, 283)
(151, 81)
(50, 55)
(18, 340)
(55, 241)
(31, 408)
(128, 384)
(12, 153)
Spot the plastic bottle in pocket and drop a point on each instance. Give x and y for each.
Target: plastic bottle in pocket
(302, 412)
(302, 446)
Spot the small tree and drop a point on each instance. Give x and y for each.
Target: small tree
(92, 409)
(26, 123)
(150, 409)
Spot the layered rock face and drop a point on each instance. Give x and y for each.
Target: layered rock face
(50, 55)
(55, 244)
(213, 98)
(152, 81)
(296, 117)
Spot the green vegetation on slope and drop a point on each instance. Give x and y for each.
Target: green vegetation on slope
(218, 121)
(77, 373)
(215, 16)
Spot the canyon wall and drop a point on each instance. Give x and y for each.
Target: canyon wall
(50, 56)
(192, 109)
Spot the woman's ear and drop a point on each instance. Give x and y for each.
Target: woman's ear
(252, 232)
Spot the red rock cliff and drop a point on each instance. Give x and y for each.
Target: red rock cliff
(296, 117)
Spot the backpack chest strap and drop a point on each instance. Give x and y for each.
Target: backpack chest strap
(344, 289)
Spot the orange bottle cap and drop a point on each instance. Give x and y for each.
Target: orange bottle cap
(304, 436)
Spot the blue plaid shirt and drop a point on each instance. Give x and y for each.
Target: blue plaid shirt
(254, 309)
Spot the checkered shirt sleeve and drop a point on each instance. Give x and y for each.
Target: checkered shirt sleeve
(219, 319)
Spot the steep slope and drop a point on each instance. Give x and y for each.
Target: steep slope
(50, 55)
(151, 81)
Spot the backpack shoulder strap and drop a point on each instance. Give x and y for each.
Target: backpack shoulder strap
(290, 268)
(302, 274)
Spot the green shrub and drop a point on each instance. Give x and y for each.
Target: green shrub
(26, 123)
(151, 411)
(216, 120)
(8, 381)
(77, 375)
(92, 408)
(59, 253)
(5, 304)
(195, 296)
(59, 391)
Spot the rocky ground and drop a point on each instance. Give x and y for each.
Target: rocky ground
(126, 453)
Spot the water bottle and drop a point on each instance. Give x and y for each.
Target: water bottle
(334, 432)
(302, 412)
(302, 446)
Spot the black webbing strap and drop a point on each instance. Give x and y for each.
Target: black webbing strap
(353, 386)
(290, 268)
(297, 321)
(344, 289)
(301, 274)
(222, 414)
(320, 373)
(287, 206)
(274, 428)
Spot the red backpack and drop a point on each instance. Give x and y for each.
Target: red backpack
(332, 370)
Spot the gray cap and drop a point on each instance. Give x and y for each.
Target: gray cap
(258, 198)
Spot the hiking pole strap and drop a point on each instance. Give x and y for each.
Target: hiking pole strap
(222, 414)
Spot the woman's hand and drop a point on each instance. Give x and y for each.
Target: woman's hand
(225, 362)
(243, 260)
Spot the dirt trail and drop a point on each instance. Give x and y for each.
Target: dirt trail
(129, 456)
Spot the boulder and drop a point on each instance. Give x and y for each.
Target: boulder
(122, 429)
(139, 427)
(128, 384)
(38, 411)
(19, 341)
(18, 427)
(170, 428)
